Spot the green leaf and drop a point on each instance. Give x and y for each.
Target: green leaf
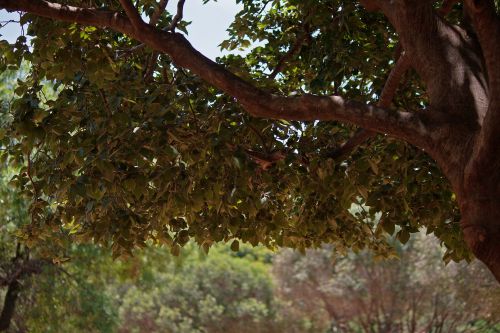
(235, 246)
(403, 236)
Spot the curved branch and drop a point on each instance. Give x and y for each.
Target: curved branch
(178, 16)
(444, 56)
(393, 81)
(85, 16)
(408, 126)
(132, 13)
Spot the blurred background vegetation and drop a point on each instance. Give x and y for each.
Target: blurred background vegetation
(249, 290)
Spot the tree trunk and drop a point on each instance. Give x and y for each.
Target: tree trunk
(461, 71)
(9, 305)
(480, 223)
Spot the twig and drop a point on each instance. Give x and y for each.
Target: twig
(178, 17)
(265, 160)
(128, 52)
(195, 118)
(350, 145)
(132, 14)
(105, 100)
(28, 172)
(388, 92)
(150, 66)
(260, 137)
(293, 50)
(157, 14)
(297, 46)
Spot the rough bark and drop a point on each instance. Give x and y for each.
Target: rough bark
(462, 74)
(481, 204)
(460, 129)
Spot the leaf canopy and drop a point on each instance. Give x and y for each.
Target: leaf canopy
(130, 149)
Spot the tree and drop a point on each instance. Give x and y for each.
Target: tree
(147, 140)
(226, 290)
(413, 294)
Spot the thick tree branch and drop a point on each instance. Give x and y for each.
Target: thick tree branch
(389, 90)
(487, 26)
(152, 21)
(152, 60)
(85, 16)
(445, 57)
(22, 269)
(408, 126)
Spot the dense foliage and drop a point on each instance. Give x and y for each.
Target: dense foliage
(126, 150)
(237, 289)
(133, 148)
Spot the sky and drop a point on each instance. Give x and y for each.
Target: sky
(206, 32)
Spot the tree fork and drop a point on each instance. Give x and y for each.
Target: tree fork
(386, 97)
(402, 65)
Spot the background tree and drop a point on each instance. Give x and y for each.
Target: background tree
(254, 290)
(224, 291)
(146, 138)
(413, 294)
